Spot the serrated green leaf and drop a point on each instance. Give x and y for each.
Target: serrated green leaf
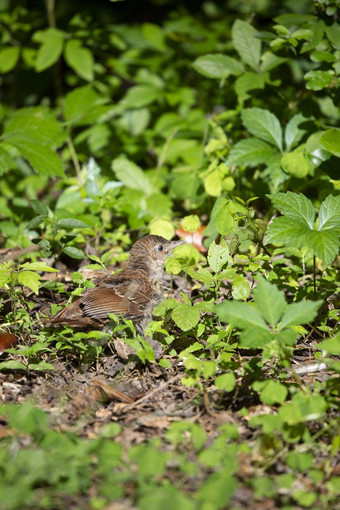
(50, 50)
(73, 252)
(241, 315)
(263, 124)
(293, 133)
(217, 66)
(329, 213)
(201, 275)
(131, 175)
(80, 59)
(225, 382)
(36, 124)
(300, 313)
(9, 58)
(72, 223)
(29, 279)
(285, 230)
(295, 164)
(12, 365)
(250, 152)
(270, 301)
(218, 256)
(324, 243)
(186, 316)
(247, 46)
(295, 206)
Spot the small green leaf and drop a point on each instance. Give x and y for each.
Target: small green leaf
(248, 47)
(70, 223)
(73, 252)
(331, 141)
(293, 133)
(295, 164)
(201, 275)
(271, 392)
(29, 279)
(217, 66)
(300, 313)
(9, 58)
(154, 35)
(38, 266)
(140, 95)
(225, 382)
(12, 365)
(131, 175)
(78, 102)
(241, 288)
(270, 301)
(50, 49)
(80, 59)
(250, 152)
(318, 80)
(218, 256)
(300, 461)
(6, 160)
(191, 223)
(247, 82)
(186, 316)
(263, 124)
(5, 277)
(39, 207)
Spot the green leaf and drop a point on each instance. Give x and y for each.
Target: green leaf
(186, 316)
(271, 392)
(331, 141)
(241, 315)
(78, 103)
(38, 266)
(72, 223)
(263, 124)
(50, 49)
(217, 66)
(131, 175)
(154, 35)
(80, 59)
(140, 95)
(240, 288)
(318, 80)
(225, 382)
(44, 160)
(39, 207)
(302, 408)
(300, 313)
(300, 461)
(5, 277)
(6, 160)
(29, 279)
(247, 46)
(329, 213)
(218, 256)
(191, 223)
(330, 345)
(285, 230)
(73, 252)
(250, 152)
(270, 301)
(295, 164)
(201, 275)
(247, 82)
(34, 123)
(9, 58)
(255, 337)
(293, 133)
(12, 365)
(295, 206)
(324, 243)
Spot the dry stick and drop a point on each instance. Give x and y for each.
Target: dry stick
(151, 393)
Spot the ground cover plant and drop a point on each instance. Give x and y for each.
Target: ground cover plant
(216, 122)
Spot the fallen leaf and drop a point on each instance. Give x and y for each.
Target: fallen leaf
(194, 238)
(7, 340)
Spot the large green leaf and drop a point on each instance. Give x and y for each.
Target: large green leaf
(318, 80)
(285, 230)
(250, 152)
(217, 66)
(36, 123)
(300, 313)
(294, 163)
(295, 206)
(131, 175)
(241, 315)
(324, 243)
(263, 124)
(80, 59)
(245, 43)
(50, 50)
(331, 141)
(270, 301)
(218, 256)
(329, 213)
(6, 160)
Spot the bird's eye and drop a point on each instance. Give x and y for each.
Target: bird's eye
(160, 247)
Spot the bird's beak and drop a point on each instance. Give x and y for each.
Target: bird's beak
(173, 244)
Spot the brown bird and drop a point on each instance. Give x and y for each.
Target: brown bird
(132, 293)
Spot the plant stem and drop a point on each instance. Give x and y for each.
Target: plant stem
(314, 275)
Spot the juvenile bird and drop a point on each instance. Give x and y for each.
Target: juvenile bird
(134, 292)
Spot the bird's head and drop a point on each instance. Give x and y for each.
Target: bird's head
(152, 251)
